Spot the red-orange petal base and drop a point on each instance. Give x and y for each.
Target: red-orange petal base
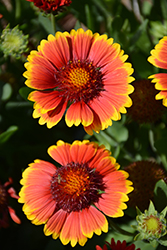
(71, 200)
(82, 73)
(159, 59)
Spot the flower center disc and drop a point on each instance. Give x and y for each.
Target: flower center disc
(153, 224)
(79, 77)
(76, 186)
(79, 80)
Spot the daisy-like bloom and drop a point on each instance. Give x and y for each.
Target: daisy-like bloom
(159, 59)
(144, 175)
(117, 246)
(145, 108)
(7, 191)
(51, 5)
(71, 200)
(83, 72)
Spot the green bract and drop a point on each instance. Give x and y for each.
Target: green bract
(151, 225)
(13, 42)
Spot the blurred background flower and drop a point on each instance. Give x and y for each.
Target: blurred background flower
(145, 109)
(6, 191)
(51, 5)
(144, 175)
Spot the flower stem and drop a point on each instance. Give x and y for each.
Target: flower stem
(118, 229)
(17, 9)
(53, 21)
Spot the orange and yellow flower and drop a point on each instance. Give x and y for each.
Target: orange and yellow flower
(82, 72)
(117, 246)
(159, 59)
(50, 5)
(71, 200)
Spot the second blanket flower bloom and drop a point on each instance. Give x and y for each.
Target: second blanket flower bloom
(71, 200)
(82, 72)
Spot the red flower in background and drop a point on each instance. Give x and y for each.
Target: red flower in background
(82, 72)
(7, 191)
(117, 246)
(50, 5)
(72, 200)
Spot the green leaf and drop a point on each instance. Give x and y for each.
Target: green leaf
(154, 243)
(163, 240)
(89, 19)
(141, 30)
(160, 195)
(143, 245)
(24, 92)
(6, 92)
(151, 208)
(164, 8)
(104, 139)
(4, 137)
(118, 131)
(46, 23)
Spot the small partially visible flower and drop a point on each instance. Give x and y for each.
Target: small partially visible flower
(7, 191)
(72, 200)
(117, 246)
(51, 5)
(151, 225)
(144, 175)
(81, 74)
(13, 42)
(145, 109)
(159, 59)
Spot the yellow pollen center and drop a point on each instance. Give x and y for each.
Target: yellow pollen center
(76, 183)
(152, 224)
(79, 77)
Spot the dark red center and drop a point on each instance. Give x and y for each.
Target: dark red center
(79, 81)
(76, 186)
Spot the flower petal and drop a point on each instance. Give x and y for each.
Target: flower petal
(56, 49)
(71, 231)
(55, 223)
(78, 113)
(60, 153)
(45, 101)
(92, 221)
(82, 152)
(159, 54)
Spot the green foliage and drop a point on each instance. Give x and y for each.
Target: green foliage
(4, 137)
